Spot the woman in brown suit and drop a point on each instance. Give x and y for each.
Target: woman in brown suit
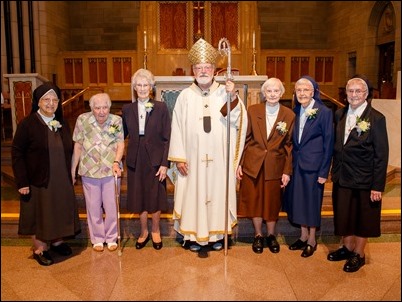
(266, 163)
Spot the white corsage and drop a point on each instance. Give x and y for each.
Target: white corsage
(54, 125)
(113, 130)
(149, 106)
(311, 113)
(281, 127)
(362, 125)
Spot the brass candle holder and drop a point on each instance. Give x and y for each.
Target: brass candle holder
(145, 59)
(253, 71)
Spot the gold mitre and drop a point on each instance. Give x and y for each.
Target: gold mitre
(202, 52)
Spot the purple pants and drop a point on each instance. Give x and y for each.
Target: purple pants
(100, 199)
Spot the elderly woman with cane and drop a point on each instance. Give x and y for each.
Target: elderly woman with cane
(98, 149)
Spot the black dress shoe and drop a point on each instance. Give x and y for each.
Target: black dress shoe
(140, 245)
(340, 254)
(273, 244)
(258, 244)
(61, 249)
(157, 245)
(354, 263)
(43, 258)
(298, 245)
(309, 250)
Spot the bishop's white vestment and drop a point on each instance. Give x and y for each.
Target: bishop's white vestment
(200, 197)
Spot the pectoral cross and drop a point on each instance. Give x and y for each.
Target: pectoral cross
(207, 159)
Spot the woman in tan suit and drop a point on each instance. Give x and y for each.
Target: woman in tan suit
(266, 163)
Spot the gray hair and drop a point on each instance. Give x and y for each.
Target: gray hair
(273, 81)
(100, 96)
(144, 74)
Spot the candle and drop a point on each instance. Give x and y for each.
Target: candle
(145, 40)
(253, 39)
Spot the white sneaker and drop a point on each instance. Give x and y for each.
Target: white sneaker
(98, 247)
(112, 246)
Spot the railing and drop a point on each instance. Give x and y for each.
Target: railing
(332, 100)
(79, 94)
(74, 106)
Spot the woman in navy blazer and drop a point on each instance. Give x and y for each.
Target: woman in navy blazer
(359, 174)
(147, 124)
(312, 152)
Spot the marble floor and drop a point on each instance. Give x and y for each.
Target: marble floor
(176, 274)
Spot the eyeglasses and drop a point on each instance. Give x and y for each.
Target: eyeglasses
(357, 91)
(200, 68)
(302, 90)
(49, 100)
(142, 85)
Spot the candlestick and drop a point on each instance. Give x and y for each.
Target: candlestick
(145, 59)
(253, 39)
(145, 40)
(253, 71)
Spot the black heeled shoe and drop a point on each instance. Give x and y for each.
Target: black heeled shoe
(309, 250)
(43, 258)
(298, 245)
(157, 245)
(62, 249)
(140, 245)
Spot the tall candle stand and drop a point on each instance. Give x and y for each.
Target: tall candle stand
(145, 59)
(254, 72)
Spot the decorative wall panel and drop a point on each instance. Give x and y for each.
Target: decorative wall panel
(224, 23)
(173, 25)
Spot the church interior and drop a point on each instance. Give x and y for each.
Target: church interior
(86, 47)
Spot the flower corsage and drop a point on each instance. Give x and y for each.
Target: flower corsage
(362, 125)
(54, 124)
(149, 106)
(311, 113)
(113, 129)
(281, 127)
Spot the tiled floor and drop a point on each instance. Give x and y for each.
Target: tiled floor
(175, 274)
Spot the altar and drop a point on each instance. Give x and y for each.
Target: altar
(169, 87)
